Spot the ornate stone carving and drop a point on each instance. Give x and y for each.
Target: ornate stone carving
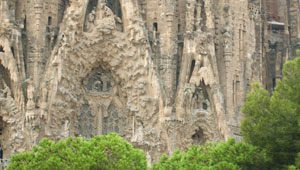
(105, 17)
(145, 87)
(100, 82)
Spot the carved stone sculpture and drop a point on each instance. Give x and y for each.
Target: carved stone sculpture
(162, 74)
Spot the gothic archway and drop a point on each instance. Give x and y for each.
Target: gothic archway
(101, 111)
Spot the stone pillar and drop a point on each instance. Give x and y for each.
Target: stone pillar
(4, 11)
(168, 60)
(198, 17)
(38, 9)
(293, 14)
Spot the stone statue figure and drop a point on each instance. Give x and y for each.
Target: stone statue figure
(30, 106)
(91, 20)
(104, 17)
(6, 91)
(97, 86)
(227, 38)
(66, 129)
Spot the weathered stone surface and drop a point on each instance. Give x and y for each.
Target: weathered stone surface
(162, 74)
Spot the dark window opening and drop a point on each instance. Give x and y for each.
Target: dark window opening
(276, 28)
(155, 26)
(49, 20)
(1, 49)
(192, 69)
(1, 126)
(13, 51)
(179, 28)
(274, 82)
(204, 106)
(24, 22)
(1, 154)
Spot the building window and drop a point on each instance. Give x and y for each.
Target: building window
(49, 20)
(1, 49)
(155, 26)
(192, 69)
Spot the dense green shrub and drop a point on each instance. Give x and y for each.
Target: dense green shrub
(297, 164)
(216, 156)
(272, 122)
(108, 152)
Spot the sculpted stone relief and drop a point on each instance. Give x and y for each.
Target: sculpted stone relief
(102, 75)
(99, 114)
(100, 82)
(102, 16)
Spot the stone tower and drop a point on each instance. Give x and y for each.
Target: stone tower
(162, 74)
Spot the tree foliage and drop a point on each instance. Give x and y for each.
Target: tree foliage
(108, 152)
(215, 156)
(273, 122)
(297, 164)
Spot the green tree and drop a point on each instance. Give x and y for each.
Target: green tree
(272, 122)
(297, 164)
(216, 156)
(298, 52)
(108, 152)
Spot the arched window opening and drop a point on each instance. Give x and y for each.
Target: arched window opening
(111, 120)
(192, 69)
(86, 122)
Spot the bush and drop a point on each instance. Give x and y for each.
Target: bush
(108, 152)
(216, 156)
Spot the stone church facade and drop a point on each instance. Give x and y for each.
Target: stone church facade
(164, 74)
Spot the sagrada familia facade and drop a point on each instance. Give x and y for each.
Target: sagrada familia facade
(164, 74)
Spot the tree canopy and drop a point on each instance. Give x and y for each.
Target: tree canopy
(216, 156)
(108, 152)
(272, 122)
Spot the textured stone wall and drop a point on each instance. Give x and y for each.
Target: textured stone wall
(162, 74)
